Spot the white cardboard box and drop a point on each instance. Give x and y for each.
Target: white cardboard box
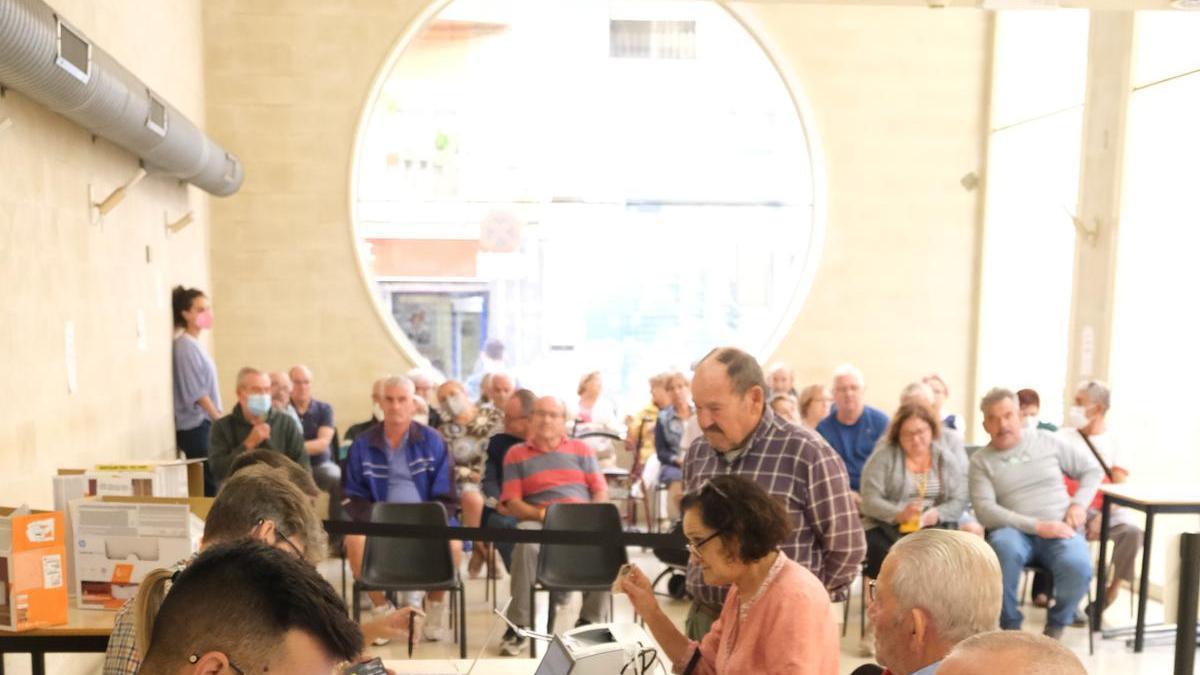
(117, 540)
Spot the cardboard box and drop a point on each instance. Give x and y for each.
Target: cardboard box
(33, 589)
(148, 478)
(117, 540)
(153, 478)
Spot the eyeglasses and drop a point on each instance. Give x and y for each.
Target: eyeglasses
(280, 535)
(232, 666)
(694, 548)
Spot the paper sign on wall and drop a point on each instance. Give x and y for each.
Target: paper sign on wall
(72, 374)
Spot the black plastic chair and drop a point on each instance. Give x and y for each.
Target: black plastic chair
(399, 564)
(567, 568)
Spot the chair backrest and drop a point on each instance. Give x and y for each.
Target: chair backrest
(408, 562)
(677, 556)
(564, 565)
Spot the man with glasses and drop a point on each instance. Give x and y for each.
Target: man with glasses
(246, 607)
(743, 436)
(549, 468)
(518, 410)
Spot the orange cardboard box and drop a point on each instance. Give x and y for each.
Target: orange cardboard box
(33, 572)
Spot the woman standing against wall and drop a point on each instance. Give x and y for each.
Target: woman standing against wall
(197, 400)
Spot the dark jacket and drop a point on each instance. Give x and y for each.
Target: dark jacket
(228, 433)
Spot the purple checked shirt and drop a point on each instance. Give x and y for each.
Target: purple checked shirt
(797, 465)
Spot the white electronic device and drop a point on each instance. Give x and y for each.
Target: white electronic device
(602, 649)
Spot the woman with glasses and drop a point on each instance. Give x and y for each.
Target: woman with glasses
(910, 482)
(776, 618)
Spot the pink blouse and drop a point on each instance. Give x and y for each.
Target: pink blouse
(786, 628)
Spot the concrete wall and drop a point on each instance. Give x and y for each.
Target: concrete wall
(55, 266)
(899, 102)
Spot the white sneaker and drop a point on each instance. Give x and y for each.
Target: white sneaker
(376, 613)
(435, 623)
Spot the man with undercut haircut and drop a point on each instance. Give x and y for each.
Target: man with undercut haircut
(245, 607)
(742, 435)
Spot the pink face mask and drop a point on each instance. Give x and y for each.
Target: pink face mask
(205, 319)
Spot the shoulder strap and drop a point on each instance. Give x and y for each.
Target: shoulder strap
(1096, 454)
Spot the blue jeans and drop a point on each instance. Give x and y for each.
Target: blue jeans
(491, 518)
(1069, 563)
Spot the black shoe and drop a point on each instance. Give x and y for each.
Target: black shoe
(1052, 631)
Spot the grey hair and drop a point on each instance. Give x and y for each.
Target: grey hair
(1097, 392)
(934, 377)
(742, 369)
(965, 600)
(398, 381)
(994, 396)
(915, 389)
(377, 387)
(1039, 654)
(247, 372)
(848, 370)
(780, 366)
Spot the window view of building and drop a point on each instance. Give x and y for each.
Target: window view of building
(611, 186)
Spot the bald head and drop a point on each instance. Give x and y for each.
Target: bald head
(301, 385)
(281, 389)
(1011, 652)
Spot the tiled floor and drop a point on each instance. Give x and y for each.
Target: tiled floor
(1112, 657)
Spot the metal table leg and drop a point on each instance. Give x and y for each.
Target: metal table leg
(1139, 634)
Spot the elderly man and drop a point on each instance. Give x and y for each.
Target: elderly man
(316, 419)
(547, 469)
(424, 385)
(376, 413)
(281, 395)
(852, 427)
(741, 435)
(400, 461)
(941, 391)
(253, 423)
(919, 622)
(1011, 653)
(500, 388)
(1019, 496)
(518, 411)
(782, 379)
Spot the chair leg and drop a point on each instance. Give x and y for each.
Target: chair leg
(343, 559)
(1024, 587)
(551, 614)
(494, 576)
(357, 603)
(533, 620)
(1091, 635)
(846, 613)
(462, 622)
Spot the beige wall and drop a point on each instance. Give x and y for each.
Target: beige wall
(55, 266)
(898, 96)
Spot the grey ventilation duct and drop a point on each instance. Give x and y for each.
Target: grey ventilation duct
(51, 62)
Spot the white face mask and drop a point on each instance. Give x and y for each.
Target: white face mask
(456, 404)
(1077, 417)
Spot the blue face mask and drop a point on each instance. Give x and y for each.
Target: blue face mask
(257, 405)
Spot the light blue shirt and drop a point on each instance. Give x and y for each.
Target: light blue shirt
(929, 669)
(401, 488)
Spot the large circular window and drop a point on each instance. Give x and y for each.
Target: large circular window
(612, 186)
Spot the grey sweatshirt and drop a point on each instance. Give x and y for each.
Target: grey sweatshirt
(886, 485)
(1023, 485)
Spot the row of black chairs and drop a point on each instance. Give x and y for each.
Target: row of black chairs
(398, 564)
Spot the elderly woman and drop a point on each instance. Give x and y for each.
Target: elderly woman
(776, 618)
(669, 432)
(815, 403)
(908, 483)
(467, 427)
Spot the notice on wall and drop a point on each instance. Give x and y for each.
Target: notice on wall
(72, 371)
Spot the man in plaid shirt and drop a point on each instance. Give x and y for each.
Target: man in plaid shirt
(743, 436)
